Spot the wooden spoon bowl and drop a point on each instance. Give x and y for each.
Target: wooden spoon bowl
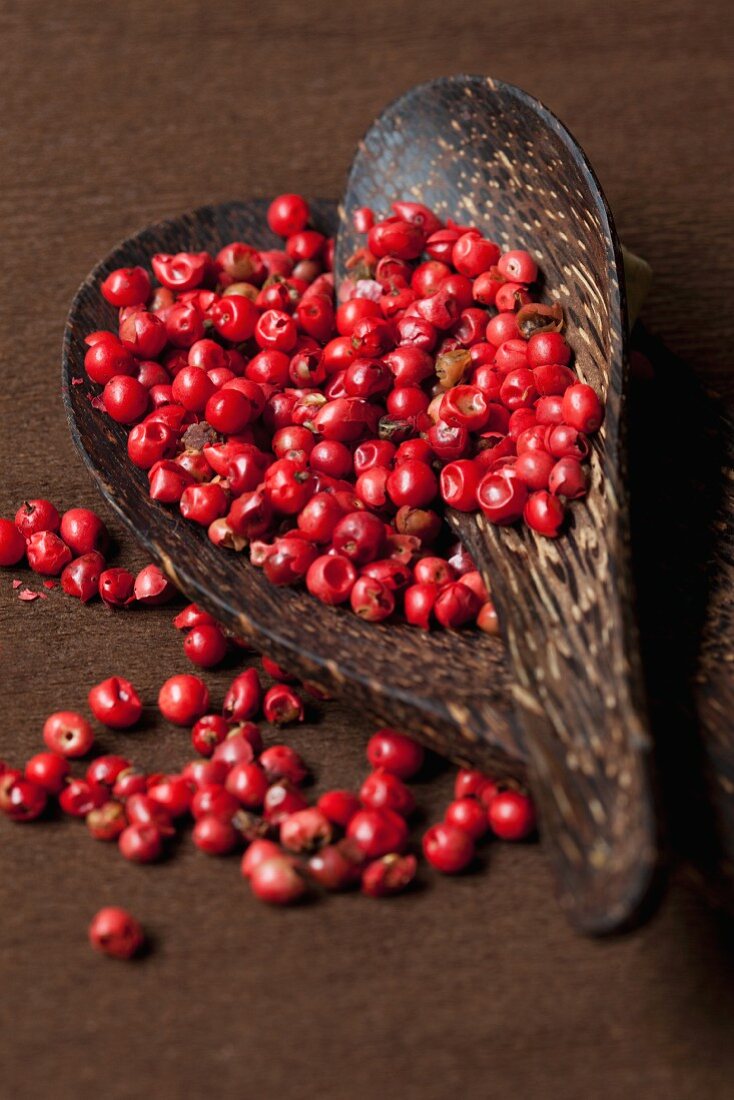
(563, 697)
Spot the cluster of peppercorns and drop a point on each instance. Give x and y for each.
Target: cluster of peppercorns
(327, 437)
(241, 794)
(72, 547)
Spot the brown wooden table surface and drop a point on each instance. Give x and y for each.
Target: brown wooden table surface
(117, 114)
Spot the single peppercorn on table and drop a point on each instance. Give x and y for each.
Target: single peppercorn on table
(474, 984)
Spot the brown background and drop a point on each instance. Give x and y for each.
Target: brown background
(116, 114)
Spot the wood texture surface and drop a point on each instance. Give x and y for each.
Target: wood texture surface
(116, 116)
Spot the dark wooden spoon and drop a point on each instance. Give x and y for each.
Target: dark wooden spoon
(486, 153)
(456, 692)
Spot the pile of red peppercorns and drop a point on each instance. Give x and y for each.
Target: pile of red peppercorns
(243, 795)
(325, 437)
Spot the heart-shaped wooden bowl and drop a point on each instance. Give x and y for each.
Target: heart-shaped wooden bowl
(563, 698)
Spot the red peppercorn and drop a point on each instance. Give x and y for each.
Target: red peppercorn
(277, 881)
(288, 214)
(104, 770)
(205, 646)
(281, 800)
(372, 599)
(115, 703)
(330, 578)
(582, 408)
(456, 605)
(36, 515)
(67, 733)
(501, 496)
(115, 933)
(129, 782)
(212, 800)
(396, 238)
(511, 815)
(172, 793)
(283, 762)
(413, 483)
(448, 848)
(459, 484)
(544, 513)
(305, 830)
(184, 324)
(143, 810)
(282, 705)
(215, 837)
(241, 261)
(470, 783)
(534, 468)
(46, 552)
(563, 441)
(192, 388)
(258, 852)
(433, 570)
(47, 770)
(395, 752)
(108, 359)
(152, 587)
(80, 578)
(203, 772)
(339, 807)
(234, 317)
(184, 271)
(191, 616)
(243, 697)
(378, 832)
(502, 327)
(511, 296)
(126, 286)
(83, 531)
(125, 399)
(418, 603)
(148, 444)
(272, 668)
(12, 543)
(382, 790)
(547, 347)
(21, 799)
(241, 745)
(389, 875)
(140, 843)
(116, 587)
(203, 503)
(331, 457)
(568, 479)
(79, 797)
(448, 441)
(249, 785)
(107, 822)
(337, 866)
(182, 699)
(518, 266)
(468, 814)
(371, 487)
(552, 380)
